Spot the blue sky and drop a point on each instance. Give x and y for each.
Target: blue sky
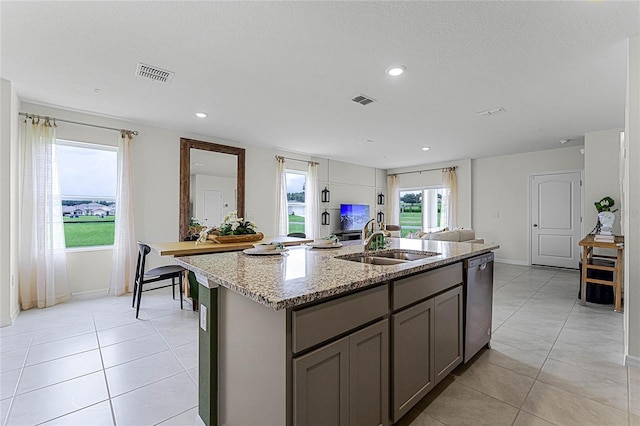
(87, 173)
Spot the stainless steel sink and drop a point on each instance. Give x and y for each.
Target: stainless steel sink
(393, 257)
(404, 255)
(374, 260)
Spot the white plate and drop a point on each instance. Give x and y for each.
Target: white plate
(253, 251)
(324, 246)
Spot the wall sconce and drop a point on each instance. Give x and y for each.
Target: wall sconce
(380, 217)
(381, 199)
(325, 217)
(325, 195)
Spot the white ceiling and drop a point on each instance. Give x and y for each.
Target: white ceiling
(282, 74)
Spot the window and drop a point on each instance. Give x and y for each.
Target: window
(423, 209)
(88, 178)
(295, 200)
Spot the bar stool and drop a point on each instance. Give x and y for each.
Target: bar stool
(156, 274)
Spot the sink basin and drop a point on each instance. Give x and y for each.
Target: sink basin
(393, 257)
(374, 260)
(403, 255)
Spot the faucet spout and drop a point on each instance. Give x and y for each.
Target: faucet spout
(365, 230)
(370, 239)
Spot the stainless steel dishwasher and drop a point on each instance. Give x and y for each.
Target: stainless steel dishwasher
(478, 298)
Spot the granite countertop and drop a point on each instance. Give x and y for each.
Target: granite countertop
(303, 275)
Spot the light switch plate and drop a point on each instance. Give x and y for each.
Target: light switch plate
(203, 317)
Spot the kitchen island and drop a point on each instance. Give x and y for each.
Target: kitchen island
(305, 336)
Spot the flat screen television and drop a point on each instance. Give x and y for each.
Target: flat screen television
(353, 217)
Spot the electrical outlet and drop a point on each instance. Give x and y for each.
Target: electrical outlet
(495, 215)
(203, 317)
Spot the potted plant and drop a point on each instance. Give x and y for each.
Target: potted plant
(606, 216)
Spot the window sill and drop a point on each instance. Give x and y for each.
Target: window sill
(88, 248)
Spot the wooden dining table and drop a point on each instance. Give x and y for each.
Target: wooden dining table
(188, 248)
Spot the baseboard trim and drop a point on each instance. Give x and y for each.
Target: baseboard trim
(82, 293)
(512, 262)
(632, 361)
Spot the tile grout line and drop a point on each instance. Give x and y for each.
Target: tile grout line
(15, 389)
(104, 371)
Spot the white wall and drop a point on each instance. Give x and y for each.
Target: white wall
(601, 165)
(632, 207)
(156, 186)
(434, 178)
(501, 197)
(9, 106)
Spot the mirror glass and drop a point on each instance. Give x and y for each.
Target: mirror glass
(211, 182)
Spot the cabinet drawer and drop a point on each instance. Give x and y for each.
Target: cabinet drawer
(316, 324)
(417, 287)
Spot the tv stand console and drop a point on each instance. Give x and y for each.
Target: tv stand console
(349, 235)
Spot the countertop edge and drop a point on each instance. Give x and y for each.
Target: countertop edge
(407, 269)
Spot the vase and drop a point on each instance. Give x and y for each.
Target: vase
(606, 220)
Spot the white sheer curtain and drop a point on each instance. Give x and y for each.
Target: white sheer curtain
(125, 249)
(393, 203)
(311, 223)
(43, 279)
(282, 213)
(450, 203)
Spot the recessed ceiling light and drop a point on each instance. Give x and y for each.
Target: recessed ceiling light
(426, 148)
(396, 71)
(201, 114)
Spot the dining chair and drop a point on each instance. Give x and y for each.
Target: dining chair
(160, 273)
(297, 234)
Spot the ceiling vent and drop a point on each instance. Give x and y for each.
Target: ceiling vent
(363, 100)
(154, 73)
(491, 112)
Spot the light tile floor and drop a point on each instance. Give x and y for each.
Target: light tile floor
(552, 361)
(90, 362)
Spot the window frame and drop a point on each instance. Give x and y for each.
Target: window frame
(94, 146)
(306, 176)
(422, 206)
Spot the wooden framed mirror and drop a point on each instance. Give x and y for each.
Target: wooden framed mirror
(186, 147)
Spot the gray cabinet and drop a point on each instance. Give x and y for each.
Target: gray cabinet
(369, 376)
(344, 382)
(427, 345)
(413, 356)
(321, 386)
(448, 309)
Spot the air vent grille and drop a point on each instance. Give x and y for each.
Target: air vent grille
(363, 100)
(154, 73)
(489, 112)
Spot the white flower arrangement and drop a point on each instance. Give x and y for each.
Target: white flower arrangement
(231, 225)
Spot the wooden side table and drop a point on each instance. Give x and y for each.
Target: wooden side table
(588, 244)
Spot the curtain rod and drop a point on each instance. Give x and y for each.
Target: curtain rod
(27, 114)
(426, 170)
(278, 157)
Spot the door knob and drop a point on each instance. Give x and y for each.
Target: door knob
(535, 225)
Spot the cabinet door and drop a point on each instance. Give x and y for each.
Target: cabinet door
(413, 355)
(369, 375)
(448, 332)
(321, 386)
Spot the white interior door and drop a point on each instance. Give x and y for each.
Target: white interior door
(556, 201)
(212, 207)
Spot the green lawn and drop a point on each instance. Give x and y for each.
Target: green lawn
(296, 223)
(85, 231)
(410, 222)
